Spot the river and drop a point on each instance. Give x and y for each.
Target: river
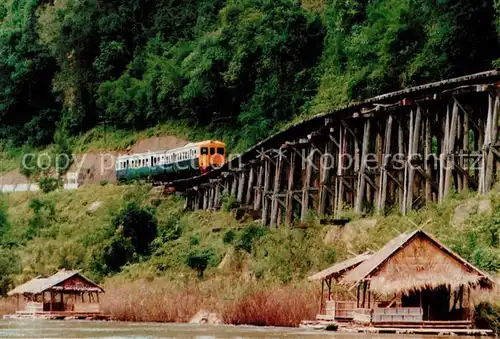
(122, 330)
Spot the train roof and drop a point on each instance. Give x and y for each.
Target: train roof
(190, 145)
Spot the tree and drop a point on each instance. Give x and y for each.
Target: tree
(139, 225)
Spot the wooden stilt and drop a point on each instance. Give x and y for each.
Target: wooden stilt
(361, 176)
(250, 189)
(276, 190)
(326, 164)
(260, 181)
(289, 194)
(265, 193)
(241, 186)
(307, 184)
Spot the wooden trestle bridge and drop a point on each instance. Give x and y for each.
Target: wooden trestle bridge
(399, 150)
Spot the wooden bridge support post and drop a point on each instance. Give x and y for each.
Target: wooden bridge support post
(490, 138)
(306, 185)
(260, 181)
(217, 195)
(326, 165)
(413, 149)
(361, 189)
(234, 185)
(211, 196)
(205, 199)
(339, 185)
(250, 188)
(241, 186)
(450, 147)
(265, 193)
(427, 165)
(385, 157)
(289, 194)
(276, 191)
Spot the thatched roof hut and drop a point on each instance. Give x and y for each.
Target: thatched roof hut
(62, 280)
(341, 268)
(416, 261)
(66, 292)
(413, 279)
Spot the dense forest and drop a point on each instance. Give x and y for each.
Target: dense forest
(244, 67)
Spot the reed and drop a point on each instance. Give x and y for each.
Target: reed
(159, 300)
(152, 301)
(281, 306)
(8, 306)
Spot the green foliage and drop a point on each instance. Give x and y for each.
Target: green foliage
(229, 237)
(379, 46)
(236, 69)
(44, 214)
(48, 184)
(139, 225)
(199, 260)
(248, 235)
(10, 265)
(487, 316)
(228, 203)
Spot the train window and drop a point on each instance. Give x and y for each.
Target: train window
(220, 150)
(204, 151)
(212, 151)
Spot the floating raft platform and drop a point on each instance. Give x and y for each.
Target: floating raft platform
(58, 316)
(431, 331)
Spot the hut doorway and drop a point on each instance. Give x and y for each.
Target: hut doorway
(438, 304)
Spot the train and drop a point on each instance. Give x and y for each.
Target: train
(183, 162)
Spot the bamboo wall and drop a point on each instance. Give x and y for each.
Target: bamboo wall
(373, 157)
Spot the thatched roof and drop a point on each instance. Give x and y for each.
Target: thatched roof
(341, 267)
(414, 261)
(40, 284)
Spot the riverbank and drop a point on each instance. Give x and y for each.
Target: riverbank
(212, 260)
(235, 301)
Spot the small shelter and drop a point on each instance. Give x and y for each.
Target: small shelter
(340, 310)
(64, 293)
(414, 280)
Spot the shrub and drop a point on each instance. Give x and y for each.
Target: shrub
(139, 224)
(199, 260)
(48, 185)
(117, 253)
(229, 203)
(248, 236)
(487, 316)
(103, 182)
(228, 237)
(44, 213)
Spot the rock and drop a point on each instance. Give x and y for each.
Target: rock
(226, 261)
(484, 206)
(206, 317)
(349, 232)
(463, 211)
(94, 206)
(466, 209)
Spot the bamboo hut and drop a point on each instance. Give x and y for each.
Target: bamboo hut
(337, 309)
(414, 281)
(64, 294)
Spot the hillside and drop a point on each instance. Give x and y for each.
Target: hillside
(147, 248)
(236, 69)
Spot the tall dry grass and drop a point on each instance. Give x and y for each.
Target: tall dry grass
(282, 306)
(236, 303)
(152, 301)
(8, 306)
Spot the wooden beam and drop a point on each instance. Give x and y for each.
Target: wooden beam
(361, 177)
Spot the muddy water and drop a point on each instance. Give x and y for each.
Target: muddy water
(118, 330)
